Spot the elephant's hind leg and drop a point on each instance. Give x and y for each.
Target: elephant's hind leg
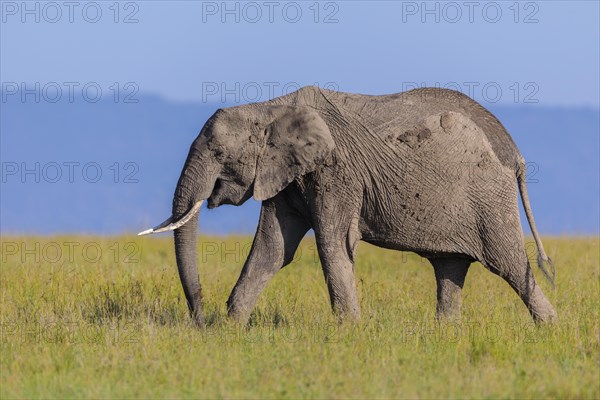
(336, 244)
(338, 268)
(450, 273)
(505, 255)
(520, 277)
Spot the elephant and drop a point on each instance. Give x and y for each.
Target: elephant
(429, 171)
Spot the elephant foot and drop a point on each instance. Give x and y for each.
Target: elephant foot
(448, 313)
(236, 312)
(198, 317)
(449, 301)
(541, 309)
(346, 311)
(548, 317)
(239, 317)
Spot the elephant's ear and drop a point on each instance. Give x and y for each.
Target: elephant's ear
(296, 144)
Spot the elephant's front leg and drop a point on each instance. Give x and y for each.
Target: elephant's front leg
(280, 230)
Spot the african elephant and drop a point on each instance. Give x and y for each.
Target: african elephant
(429, 171)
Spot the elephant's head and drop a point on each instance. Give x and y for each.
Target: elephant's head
(254, 150)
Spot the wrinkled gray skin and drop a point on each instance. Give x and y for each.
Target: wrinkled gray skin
(428, 171)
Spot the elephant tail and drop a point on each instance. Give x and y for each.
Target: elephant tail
(545, 263)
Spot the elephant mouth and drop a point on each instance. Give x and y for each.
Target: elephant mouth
(215, 197)
(225, 192)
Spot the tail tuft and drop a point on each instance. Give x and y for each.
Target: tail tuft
(549, 270)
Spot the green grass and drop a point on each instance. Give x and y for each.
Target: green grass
(108, 319)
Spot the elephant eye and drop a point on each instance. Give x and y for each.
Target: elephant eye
(219, 155)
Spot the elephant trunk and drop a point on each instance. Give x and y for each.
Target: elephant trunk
(186, 235)
(185, 252)
(194, 186)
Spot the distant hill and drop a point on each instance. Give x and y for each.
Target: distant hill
(154, 136)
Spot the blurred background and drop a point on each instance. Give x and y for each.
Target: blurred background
(100, 101)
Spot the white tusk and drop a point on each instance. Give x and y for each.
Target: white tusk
(146, 232)
(151, 230)
(168, 225)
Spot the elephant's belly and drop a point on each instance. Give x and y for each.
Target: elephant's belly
(423, 251)
(426, 231)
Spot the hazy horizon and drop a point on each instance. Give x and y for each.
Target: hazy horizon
(124, 141)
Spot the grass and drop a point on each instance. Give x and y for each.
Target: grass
(90, 317)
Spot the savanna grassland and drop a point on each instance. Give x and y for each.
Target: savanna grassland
(90, 317)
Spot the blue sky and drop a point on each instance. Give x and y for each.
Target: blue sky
(177, 48)
(533, 63)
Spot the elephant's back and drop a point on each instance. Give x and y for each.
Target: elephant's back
(425, 102)
(408, 110)
(444, 100)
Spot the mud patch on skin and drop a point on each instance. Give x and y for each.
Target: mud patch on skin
(414, 136)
